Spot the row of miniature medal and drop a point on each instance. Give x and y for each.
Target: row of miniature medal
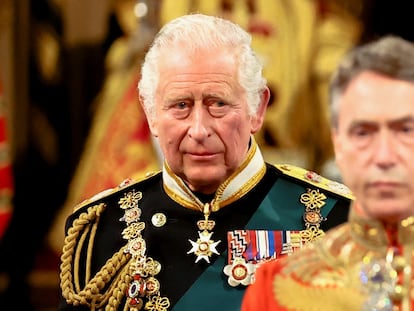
(143, 269)
(254, 247)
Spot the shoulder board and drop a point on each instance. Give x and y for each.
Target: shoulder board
(315, 179)
(108, 192)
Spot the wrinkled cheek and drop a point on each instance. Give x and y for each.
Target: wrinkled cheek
(170, 151)
(234, 158)
(171, 146)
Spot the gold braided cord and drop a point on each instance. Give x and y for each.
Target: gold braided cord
(77, 258)
(89, 252)
(68, 248)
(119, 291)
(114, 273)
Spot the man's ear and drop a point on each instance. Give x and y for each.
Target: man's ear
(152, 123)
(258, 118)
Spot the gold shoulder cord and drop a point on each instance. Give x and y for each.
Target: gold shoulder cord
(114, 273)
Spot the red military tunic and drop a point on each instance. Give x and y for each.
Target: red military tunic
(360, 265)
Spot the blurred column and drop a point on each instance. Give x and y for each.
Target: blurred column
(6, 180)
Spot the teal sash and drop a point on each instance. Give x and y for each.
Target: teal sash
(280, 210)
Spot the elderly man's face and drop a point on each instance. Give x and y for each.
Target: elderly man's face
(202, 119)
(374, 145)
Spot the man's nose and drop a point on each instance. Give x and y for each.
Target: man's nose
(199, 122)
(385, 151)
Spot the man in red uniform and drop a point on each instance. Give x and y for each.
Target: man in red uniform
(365, 264)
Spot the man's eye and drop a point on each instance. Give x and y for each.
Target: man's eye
(360, 132)
(181, 105)
(405, 132)
(218, 109)
(407, 128)
(219, 104)
(180, 110)
(361, 135)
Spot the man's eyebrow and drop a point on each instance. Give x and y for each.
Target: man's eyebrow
(393, 121)
(360, 122)
(404, 119)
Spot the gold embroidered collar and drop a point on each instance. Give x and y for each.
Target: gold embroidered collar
(373, 234)
(238, 184)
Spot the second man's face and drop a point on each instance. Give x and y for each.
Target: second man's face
(202, 120)
(374, 144)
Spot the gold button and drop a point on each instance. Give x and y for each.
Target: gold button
(159, 219)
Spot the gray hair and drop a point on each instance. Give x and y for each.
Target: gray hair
(390, 56)
(198, 31)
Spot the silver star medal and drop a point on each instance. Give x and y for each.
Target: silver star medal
(204, 247)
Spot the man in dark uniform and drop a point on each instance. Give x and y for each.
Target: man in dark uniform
(191, 236)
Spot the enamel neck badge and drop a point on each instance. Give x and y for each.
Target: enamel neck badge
(204, 247)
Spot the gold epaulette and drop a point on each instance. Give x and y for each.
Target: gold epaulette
(108, 192)
(315, 179)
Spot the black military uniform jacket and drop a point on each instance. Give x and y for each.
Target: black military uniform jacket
(141, 244)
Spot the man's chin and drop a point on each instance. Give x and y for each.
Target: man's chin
(203, 181)
(390, 210)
